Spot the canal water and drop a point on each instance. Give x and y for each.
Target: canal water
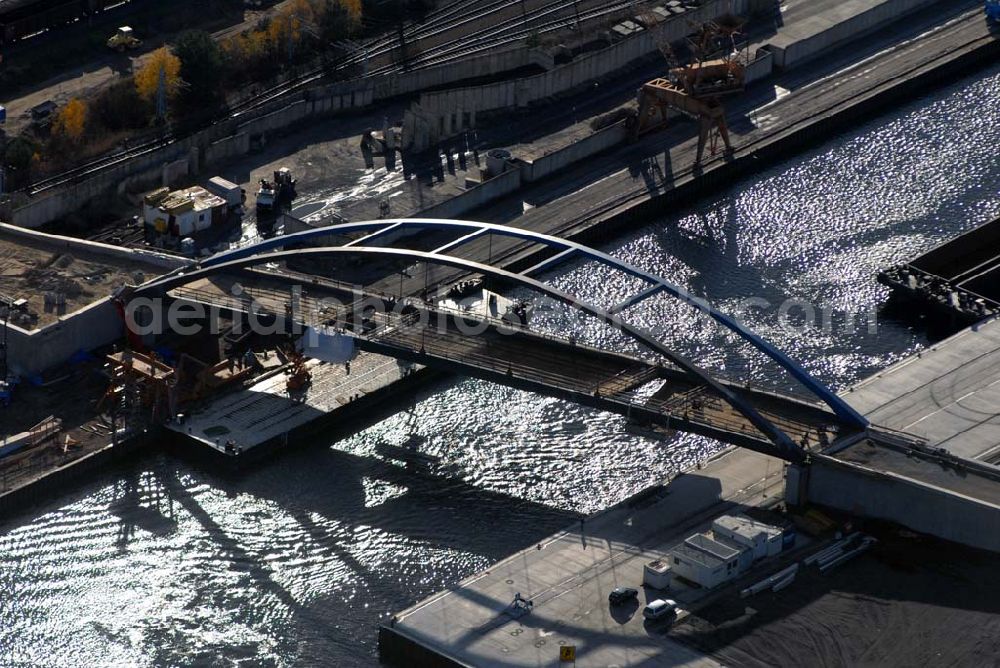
(162, 563)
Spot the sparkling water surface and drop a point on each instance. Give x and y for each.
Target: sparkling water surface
(163, 563)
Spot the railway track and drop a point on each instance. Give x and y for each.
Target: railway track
(538, 20)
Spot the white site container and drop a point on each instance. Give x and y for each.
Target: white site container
(657, 574)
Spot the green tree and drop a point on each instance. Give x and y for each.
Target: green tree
(119, 107)
(334, 22)
(201, 68)
(18, 153)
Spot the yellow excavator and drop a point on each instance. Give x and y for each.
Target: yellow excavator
(124, 40)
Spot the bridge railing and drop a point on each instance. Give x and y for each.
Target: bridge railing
(696, 406)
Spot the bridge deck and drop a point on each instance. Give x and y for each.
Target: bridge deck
(546, 364)
(948, 395)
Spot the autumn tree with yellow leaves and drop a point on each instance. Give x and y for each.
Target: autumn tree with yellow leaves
(147, 78)
(353, 8)
(258, 54)
(71, 121)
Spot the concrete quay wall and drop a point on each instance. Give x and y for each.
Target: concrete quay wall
(560, 80)
(31, 352)
(54, 483)
(918, 506)
(95, 325)
(801, 43)
(772, 149)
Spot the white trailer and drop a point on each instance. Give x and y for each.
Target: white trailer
(227, 190)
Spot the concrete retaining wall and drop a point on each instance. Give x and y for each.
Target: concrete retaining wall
(228, 147)
(919, 507)
(559, 80)
(291, 113)
(91, 327)
(801, 43)
(490, 64)
(760, 67)
(602, 140)
(145, 170)
(472, 198)
(71, 244)
(172, 173)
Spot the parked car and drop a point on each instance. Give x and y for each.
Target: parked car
(660, 609)
(621, 595)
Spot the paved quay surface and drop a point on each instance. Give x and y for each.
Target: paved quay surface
(948, 394)
(569, 576)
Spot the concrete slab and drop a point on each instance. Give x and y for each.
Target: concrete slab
(948, 394)
(568, 577)
(264, 411)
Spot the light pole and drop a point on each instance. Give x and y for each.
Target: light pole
(402, 274)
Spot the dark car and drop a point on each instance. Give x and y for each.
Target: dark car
(621, 595)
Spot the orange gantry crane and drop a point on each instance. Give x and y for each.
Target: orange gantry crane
(696, 89)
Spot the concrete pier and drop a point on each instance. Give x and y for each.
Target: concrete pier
(948, 395)
(946, 398)
(568, 577)
(943, 405)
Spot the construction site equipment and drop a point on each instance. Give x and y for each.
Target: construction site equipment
(775, 582)
(266, 196)
(37, 435)
(141, 388)
(281, 190)
(232, 194)
(69, 442)
(197, 380)
(696, 89)
(42, 113)
(124, 40)
(299, 376)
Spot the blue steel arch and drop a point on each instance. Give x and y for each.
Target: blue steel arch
(785, 446)
(841, 408)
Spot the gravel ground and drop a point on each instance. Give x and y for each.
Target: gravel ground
(910, 601)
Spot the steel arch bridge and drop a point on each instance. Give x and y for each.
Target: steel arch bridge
(470, 237)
